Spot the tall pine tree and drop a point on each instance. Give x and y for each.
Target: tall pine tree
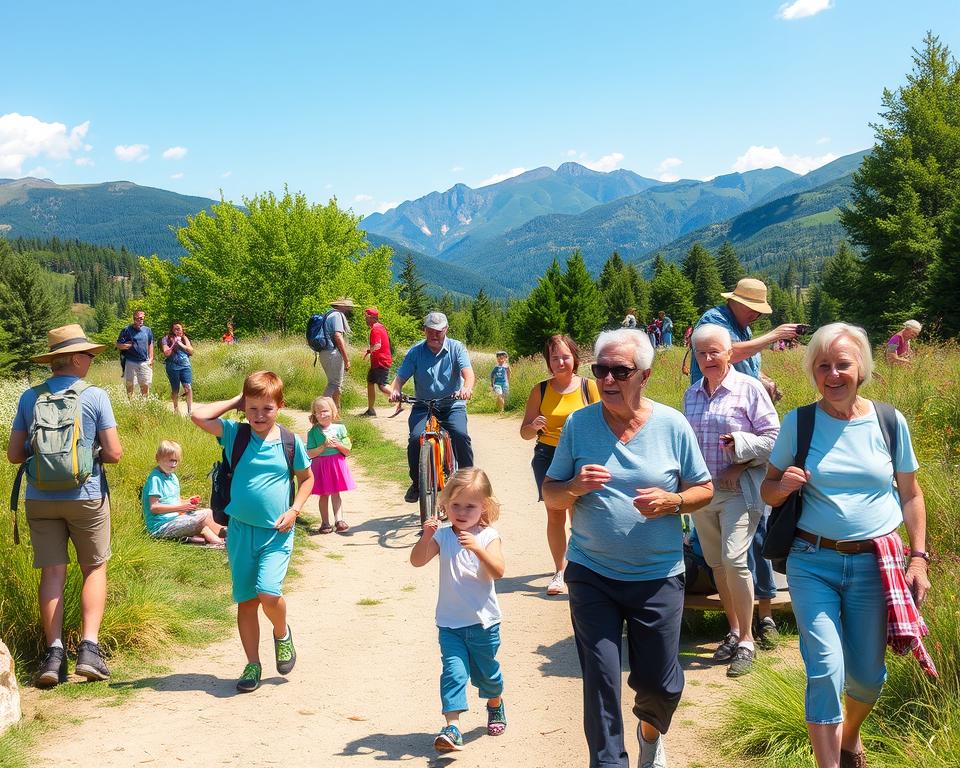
(729, 265)
(945, 285)
(582, 301)
(539, 318)
(671, 292)
(413, 289)
(482, 327)
(700, 269)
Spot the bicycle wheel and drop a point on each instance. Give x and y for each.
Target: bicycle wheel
(428, 481)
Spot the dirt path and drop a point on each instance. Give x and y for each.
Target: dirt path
(365, 689)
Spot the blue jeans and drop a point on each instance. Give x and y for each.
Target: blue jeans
(453, 418)
(469, 654)
(764, 586)
(841, 613)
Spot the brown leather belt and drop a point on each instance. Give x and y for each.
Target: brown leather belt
(844, 546)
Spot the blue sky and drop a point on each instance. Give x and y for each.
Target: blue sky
(381, 102)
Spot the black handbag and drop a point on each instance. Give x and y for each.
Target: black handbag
(782, 526)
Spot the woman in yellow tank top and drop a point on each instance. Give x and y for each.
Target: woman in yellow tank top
(549, 405)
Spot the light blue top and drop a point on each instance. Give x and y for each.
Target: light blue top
(850, 494)
(608, 535)
(467, 595)
(97, 415)
(260, 491)
(498, 376)
(722, 316)
(435, 375)
(178, 358)
(167, 487)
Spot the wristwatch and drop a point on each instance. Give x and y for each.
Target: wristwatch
(921, 554)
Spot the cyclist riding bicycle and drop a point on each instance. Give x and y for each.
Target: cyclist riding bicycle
(440, 367)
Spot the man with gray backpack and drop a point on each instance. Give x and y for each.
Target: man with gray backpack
(63, 432)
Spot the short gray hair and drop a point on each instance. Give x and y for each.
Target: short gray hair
(913, 325)
(711, 331)
(827, 336)
(627, 337)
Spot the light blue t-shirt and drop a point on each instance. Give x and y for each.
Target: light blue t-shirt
(97, 415)
(179, 358)
(608, 535)
(141, 340)
(498, 376)
(722, 316)
(435, 375)
(260, 491)
(850, 494)
(167, 487)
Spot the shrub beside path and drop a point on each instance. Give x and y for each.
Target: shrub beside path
(365, 689)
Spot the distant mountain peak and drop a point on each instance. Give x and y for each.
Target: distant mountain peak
(571, 168)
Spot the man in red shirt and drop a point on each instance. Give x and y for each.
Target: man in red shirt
(380, 360)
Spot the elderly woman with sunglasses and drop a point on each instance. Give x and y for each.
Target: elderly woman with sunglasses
(627, 467)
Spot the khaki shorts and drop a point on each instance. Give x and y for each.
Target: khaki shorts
(726, 529)
(85, 522)
(142, 372)
(332, 363)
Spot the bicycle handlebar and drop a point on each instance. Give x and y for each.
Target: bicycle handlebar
(423, 401)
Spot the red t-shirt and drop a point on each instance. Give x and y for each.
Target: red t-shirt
(382, 357)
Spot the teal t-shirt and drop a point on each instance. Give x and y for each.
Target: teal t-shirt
(608, 534)
(317, 437)
(850, 494)
(167, 487)
(260, 492)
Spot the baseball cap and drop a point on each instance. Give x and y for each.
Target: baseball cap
(372, 311)
(435, 321)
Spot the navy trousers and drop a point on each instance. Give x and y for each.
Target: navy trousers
(453, 418)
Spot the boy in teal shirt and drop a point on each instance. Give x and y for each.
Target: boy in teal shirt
(262, 517)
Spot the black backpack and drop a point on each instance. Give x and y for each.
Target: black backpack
(221, 476)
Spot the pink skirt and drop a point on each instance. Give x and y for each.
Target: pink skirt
(331, 474)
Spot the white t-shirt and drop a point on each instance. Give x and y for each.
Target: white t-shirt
(467, 595)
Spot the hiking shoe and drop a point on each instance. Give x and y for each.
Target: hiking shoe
(369, 412)
(853, 759)
(496, 720)
(90, 662)
(249, 679)
(555, 587)
(286, 653)
(53, 668)
(727, 648)
(448, 740)
(767, 635)
(652, 753)
(412, 496)
(742, 662)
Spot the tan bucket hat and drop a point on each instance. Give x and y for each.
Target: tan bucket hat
(67, 339)
(752, 293)
(343, 302)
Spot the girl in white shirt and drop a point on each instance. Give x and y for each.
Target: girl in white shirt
(468, 614)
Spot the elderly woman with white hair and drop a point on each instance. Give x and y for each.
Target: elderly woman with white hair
(898, 346)
(736, 426)
(859, 482)
(627, 467)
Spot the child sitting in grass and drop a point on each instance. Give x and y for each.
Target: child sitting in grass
(468, 614)
(263, 510)
(166, 514)
(500, 380)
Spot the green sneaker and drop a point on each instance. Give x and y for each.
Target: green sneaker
(286, 653)
(448, 740)
(249, 679)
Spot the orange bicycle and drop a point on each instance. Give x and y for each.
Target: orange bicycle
(437, 461)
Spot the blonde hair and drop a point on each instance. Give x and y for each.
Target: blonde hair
(264, 384)
(827, 336)
(169, 448)
(327, 401)
(472, 479)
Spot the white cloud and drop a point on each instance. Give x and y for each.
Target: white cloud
(131, 153)
(384, 207)
(800, 9)
(226, 174)
(498, 177)
(363, 198)
(456, 169)
(84, 162)
(823, 140)
(606, 163)
(665, 169)
(38, 173)
(23, 137)
(571, 153)
(176, 175)
(175, 153)
(768, 157)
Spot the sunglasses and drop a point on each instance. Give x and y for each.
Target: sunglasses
(619, 372)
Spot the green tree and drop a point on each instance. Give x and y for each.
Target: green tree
(700, 269)
(539, 317)
(611, 268)
(659, 264)
(786, 308)
(483, 326)
(671, 292)
(822, 308)
(945, 285)
(906, 189)
(582, 301)
(839, 280)
(729, 265)
(103, 314)
(413, 290)
(641, 291)
(618, 298)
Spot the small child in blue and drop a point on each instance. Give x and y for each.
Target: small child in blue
(468, 614)
(262, 516)
(500, 380)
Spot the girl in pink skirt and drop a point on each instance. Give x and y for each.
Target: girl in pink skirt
(328, 445)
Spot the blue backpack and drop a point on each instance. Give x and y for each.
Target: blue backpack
(317, 336)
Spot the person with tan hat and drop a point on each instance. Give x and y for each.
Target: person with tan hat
(80, 510)
(898, 347)
(335, 359)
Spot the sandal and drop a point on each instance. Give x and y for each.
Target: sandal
(496, 720)
(326, 528)
(342, 526)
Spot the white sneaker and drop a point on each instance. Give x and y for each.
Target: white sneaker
(555, 587)
(652, 754)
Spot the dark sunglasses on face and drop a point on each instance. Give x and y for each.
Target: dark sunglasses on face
(619, 372)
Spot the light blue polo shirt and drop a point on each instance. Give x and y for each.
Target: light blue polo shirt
(260, 491)
(167, 487)
(435, 375)
(722, 316)
(608, 535)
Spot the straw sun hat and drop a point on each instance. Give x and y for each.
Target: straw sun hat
(67, 339)
(752, 293)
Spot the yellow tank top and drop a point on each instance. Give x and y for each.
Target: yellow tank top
(556, 407)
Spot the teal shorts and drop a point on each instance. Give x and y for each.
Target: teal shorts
(259, 558)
